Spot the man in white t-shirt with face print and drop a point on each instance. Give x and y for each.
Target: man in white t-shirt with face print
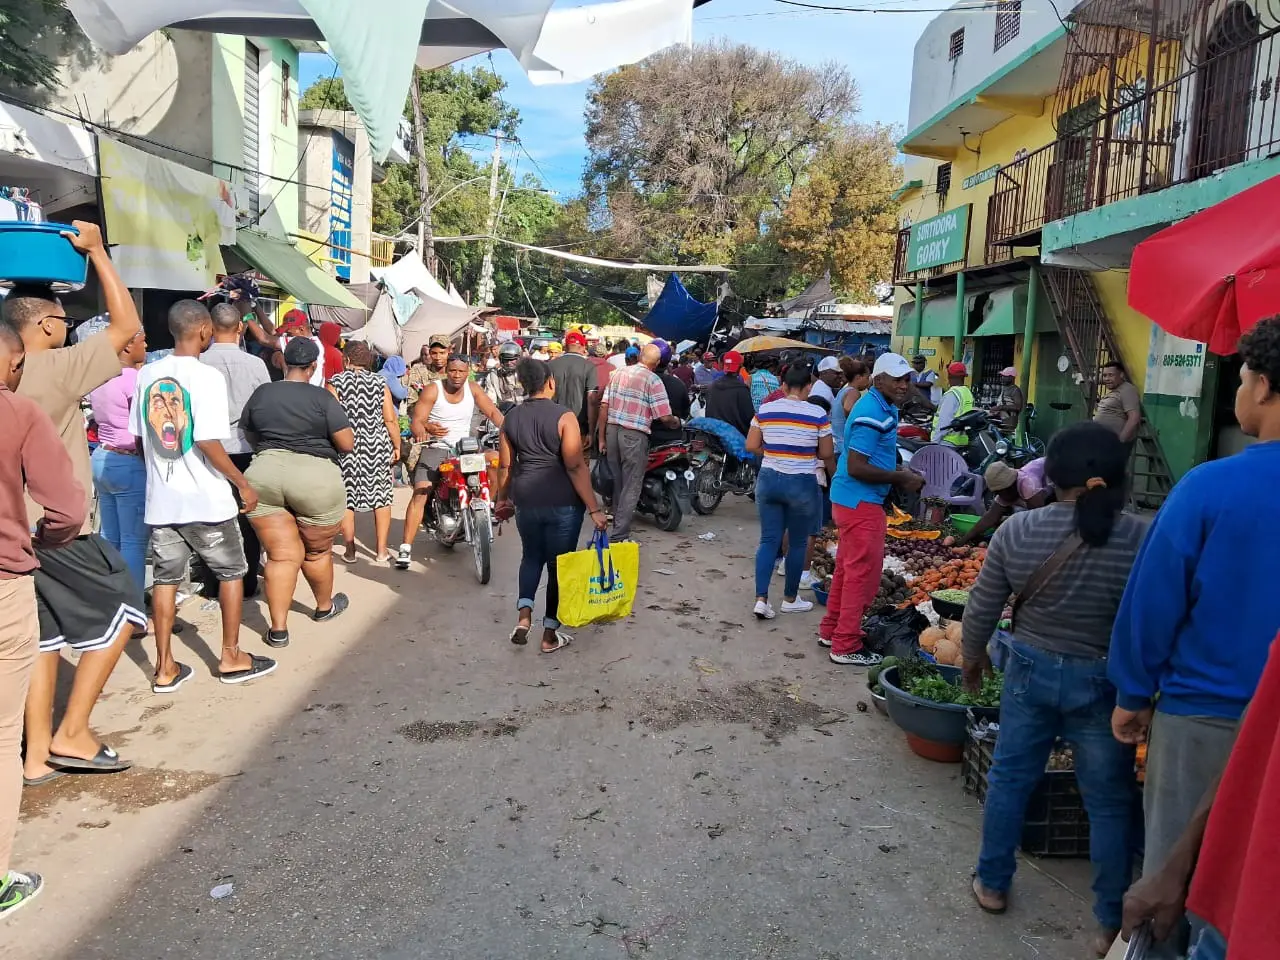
(180, 418)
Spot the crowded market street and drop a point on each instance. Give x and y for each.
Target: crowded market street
(687, 783)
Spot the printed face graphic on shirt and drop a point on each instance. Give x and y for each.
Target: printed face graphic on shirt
(168, 412)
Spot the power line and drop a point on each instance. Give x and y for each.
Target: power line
(981, 5)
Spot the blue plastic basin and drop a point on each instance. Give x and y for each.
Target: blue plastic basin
(38, 253)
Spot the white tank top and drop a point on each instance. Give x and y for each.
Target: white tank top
(455, 416)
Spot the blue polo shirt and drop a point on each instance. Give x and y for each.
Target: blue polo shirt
(872, 430)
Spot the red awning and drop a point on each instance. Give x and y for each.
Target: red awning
(1214, 275)
(510, 324)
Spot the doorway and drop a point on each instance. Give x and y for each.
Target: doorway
(993, 354)
(1225, 92)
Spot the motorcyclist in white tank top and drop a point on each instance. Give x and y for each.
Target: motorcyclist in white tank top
(443, 413)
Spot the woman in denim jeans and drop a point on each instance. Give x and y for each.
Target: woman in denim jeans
(1055, 682)
(791, 435)
(119, 473)
(541, 471)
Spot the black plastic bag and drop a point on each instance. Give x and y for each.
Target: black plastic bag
(602, 477)
(894, 633)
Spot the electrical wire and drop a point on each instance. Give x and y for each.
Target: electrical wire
(981, 5)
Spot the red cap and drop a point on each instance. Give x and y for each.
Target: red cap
(731, 361)
(957, 369)
(575, 337)
(294, 319)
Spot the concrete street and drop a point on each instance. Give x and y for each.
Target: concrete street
(686, 784)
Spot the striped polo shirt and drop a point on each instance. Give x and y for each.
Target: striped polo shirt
(791, 430)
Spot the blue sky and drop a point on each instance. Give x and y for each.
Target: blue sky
(874, 47)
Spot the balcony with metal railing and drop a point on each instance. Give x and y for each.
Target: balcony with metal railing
(1203, 118)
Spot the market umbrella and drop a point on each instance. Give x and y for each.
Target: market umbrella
(376, 45)
(760, 344)
(1214, 275)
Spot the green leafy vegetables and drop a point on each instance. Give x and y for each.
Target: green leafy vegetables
(922, 679)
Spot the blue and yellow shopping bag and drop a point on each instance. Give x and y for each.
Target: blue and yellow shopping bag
(597, 584)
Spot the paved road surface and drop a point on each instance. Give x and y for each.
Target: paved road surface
(687, 784)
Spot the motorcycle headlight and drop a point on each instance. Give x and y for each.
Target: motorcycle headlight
(1002, 448)
(671, 474)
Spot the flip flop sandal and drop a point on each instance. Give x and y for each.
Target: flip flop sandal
(339, 603)
(41, 781)
(519, 636)
(105, 760)
(973, 888)
(185, 673)
(276, 638)
(562, 641)
(259, 667)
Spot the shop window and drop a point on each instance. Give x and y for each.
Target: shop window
(1008, 21)
(956, 47)
(943, 183)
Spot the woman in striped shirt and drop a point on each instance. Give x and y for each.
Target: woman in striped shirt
(792, 435)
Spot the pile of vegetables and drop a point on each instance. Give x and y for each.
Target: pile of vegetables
(944, 643)
(893, 591)
(922, 679)
(933, 566)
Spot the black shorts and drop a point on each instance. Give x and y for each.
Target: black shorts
(84, 595)
(219, 546)
(429, 462)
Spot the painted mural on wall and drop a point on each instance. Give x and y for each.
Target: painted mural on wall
(1175, 368)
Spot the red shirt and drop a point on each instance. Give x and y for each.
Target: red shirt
(1238, 872)
(775, 395)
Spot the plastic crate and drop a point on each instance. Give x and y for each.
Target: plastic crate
(1055, 825)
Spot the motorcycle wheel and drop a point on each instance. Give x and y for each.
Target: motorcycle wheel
(482, 543)
(667, 513)
(705, 496)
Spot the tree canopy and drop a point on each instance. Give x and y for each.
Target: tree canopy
(34, 36)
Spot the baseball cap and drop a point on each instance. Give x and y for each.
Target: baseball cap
(632, 353)
(828, 363)
(731, 361)
(438, 341)
(957, 369)
(664, 349)
(891, 364)
(301, 352)
(1008, 372)
(554, 347)
(575, 336)
(295, 320)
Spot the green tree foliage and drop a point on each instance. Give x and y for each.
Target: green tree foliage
(697, 155)
(34, 36)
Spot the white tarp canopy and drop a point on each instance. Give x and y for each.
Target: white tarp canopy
(376, 45)
(434, 311)
(55, 160)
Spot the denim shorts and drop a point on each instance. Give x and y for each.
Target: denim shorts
(218, 545)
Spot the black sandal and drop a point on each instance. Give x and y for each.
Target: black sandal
(258, 667)
(339, 603)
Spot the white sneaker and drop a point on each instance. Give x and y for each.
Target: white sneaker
(782, 566)
(763, 611)
(823, 642)
(796, 606)
(807, 580)
(404, 557)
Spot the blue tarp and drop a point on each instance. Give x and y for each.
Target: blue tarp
(676, 316)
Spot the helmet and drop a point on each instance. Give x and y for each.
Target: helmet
(509, 352)
(664, 351)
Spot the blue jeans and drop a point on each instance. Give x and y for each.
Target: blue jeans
(545, 533)
(1048, 695)
(789, 502)
(121, 482)
(1210, 946)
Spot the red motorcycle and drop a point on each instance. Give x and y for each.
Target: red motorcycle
(461, 508)
(665, 492)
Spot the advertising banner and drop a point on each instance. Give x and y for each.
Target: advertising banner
(165, 221)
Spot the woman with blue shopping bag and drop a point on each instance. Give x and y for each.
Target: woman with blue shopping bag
(542, 475)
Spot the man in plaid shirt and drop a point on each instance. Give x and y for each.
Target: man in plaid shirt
(634, 399)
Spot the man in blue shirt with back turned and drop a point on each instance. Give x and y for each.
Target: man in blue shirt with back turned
(867, 471)
(1199, 611)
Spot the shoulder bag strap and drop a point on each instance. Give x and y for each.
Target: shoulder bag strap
(1047, 571)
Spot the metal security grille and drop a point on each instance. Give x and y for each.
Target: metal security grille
(252, 113)
(944, 181)
(1008, 21)
(957, 44)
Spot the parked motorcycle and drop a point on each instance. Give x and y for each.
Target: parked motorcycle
(721, 463)
(461, 505)
(664, 491)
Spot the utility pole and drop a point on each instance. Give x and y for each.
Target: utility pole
(426, 235)
(485, 292)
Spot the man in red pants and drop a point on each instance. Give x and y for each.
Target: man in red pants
(862, 481)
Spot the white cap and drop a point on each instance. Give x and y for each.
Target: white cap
(828, 363)
(893, 364)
